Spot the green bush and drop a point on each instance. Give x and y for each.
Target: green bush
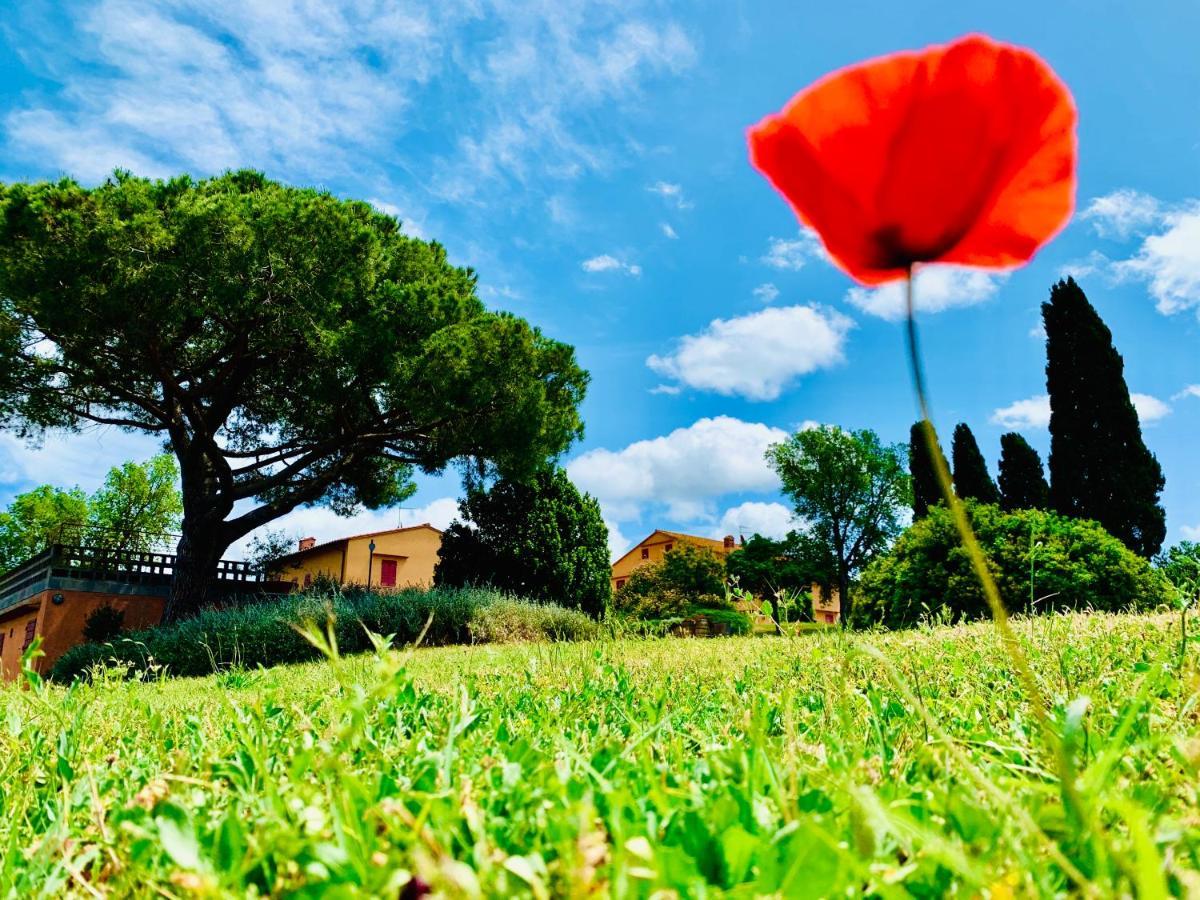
(739, 623)
(103, 624)
(687, 575)
(265, 633)
(1076, 564)
(507, 621)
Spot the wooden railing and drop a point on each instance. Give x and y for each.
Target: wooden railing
(99, 564)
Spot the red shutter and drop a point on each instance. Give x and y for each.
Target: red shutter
(30, 633)
(387, 572)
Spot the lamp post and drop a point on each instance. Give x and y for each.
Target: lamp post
(370, 561)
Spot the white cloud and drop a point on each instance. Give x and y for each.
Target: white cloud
(937, 288)
(683, 471)
(669, 390)
(1190, 532)
(325, 525)
(1192, 390)
(67, 459)
(671, 193)
(1170, 262)
(791, 255)
(1149, 409)
(1035, 411)
(607, 263)
(766, 292)
(668, 231)
(1031, 413)
(315, 92)
(772, 520)
(1122, 213)
(756, 356)
(618, 544)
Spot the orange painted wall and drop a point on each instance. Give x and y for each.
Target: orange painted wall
(61, 625)
(325, 561)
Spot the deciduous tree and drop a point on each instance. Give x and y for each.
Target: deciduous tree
(850, 488)
(291, 347)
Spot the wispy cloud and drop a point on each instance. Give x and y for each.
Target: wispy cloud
(791, 254)
(607, 263)
(668, 231)
(671, 193)
(766, 292)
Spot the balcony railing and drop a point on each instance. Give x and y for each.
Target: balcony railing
(69, 566)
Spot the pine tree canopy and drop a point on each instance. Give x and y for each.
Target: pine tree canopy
(1022, 479)
(971, 478)
(925, 488)
(1100, 467)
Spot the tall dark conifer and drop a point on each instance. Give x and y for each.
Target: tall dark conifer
(1022, 479)
(925, 488)
(972, 480)
(1100, 467)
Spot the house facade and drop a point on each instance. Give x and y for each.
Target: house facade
(653, 548)
(397, 558)
(51, 596)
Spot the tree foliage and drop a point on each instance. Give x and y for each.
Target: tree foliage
(1100, 467)
(1035, 556)
(539, 538)
(35, 518)
(139, 505)
(688, 577)
(763, 565)
(135, 509)
(972, 481)
(1180, 565)
(850, 488)
(293, 348)
(1022, 478)
(926, 490)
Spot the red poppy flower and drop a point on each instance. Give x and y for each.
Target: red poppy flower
(962, 153)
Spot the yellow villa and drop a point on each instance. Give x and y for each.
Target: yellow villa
(400, 557)
(653, 548)
(826, 603)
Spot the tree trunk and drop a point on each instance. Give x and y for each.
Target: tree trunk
(844, 595)
(199, 550)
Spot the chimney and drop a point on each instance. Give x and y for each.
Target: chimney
(308, 543)
(729, 542)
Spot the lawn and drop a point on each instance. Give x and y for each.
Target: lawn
(890, 765)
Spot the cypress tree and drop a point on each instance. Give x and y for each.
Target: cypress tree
(1022, 479)
(971, 478)
(1100, 467)
(925, 488)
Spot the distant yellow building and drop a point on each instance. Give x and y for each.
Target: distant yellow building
(653, 548)
(401, 557)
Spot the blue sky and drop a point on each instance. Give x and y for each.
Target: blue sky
(588, 159)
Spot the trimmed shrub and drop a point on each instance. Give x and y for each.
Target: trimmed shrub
(265, 633)
(1076, 564)
(103, 624)
(508, 621)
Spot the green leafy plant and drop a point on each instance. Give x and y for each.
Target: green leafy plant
(1032, 555)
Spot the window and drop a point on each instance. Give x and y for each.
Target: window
(645, 553)
(308, 579)
(387, 572)
(2, 636)
(620, 583)
(667, 549)
(30, 633)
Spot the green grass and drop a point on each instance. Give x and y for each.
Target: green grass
(886, 765)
